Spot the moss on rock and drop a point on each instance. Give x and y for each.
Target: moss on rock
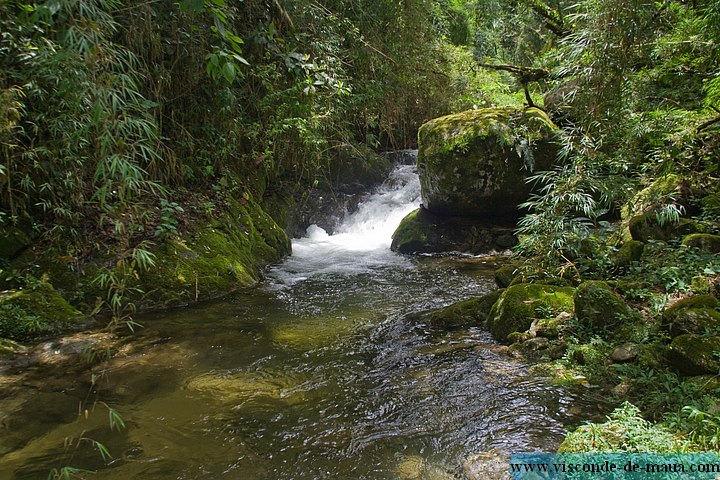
(35, 311)
(703, 241)
(646, 227)
(424, 232)
(472, 312)
(693, 354)
(216, 259)
(518, 305)
(696, 314)
(506, 274)
(475, 163)
(597, 305)
(629, 252)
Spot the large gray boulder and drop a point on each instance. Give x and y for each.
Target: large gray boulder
(476, 163)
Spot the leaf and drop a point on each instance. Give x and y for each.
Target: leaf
(228, 72)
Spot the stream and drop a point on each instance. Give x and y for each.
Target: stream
(325, 370)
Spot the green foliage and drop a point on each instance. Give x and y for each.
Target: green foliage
(624, 431)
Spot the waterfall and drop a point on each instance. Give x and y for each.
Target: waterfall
(362, 241)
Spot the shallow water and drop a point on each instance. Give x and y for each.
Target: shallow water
(324, 371)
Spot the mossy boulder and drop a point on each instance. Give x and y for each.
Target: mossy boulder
(506, 274)
(630, 251)
(475, 163)
(656, 193)
(218, 258)
(703, 241)
(472, 312)
(646, 227)
(697, 314)
(424, 232)
(35, 311)
(693, 354)
(519, 305)
(597, 305)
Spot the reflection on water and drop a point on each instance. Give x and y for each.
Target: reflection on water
(324, 372)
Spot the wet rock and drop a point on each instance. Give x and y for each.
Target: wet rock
(475, 163)
(472, 312)
(624, 353)
(491, 465)
(703, 241)
(417, 468)
(424, 232)
(537, 343)
(693, 354)
(520, 304)
(597, 305)
(549, 327)
(506, 274)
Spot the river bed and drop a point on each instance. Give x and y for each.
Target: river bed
(325, 370)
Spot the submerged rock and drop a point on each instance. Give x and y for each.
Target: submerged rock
(491, 465)
(475, 163)
(520, 304)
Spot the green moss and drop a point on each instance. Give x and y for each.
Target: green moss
(630, 252)
(693, 354)
(216, 259)
(646, 227)
(597, 305)
(696, 314)
(472, 312)
(411, 235)
(469, 164)
(506, 274)
(519, 304)
(703, 241)
(646, 200)
(35, 311)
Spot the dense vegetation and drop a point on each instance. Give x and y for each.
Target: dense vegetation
(125, 125)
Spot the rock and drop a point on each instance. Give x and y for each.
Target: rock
(475, 163)
(472, 312)
(537, 343)
(549, 327)
(491, 465)
(37, 310)
(219, 257)
(645, 227)
(697, 314)
(519, 304)
(630, 252)
(13, 240)
(597, 305)
(624, 353)
(693, 354)
(506, 274)
(703, 241)
(646, 200)
(424, 232)
(621, 390)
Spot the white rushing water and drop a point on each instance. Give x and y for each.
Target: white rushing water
(362, 241)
